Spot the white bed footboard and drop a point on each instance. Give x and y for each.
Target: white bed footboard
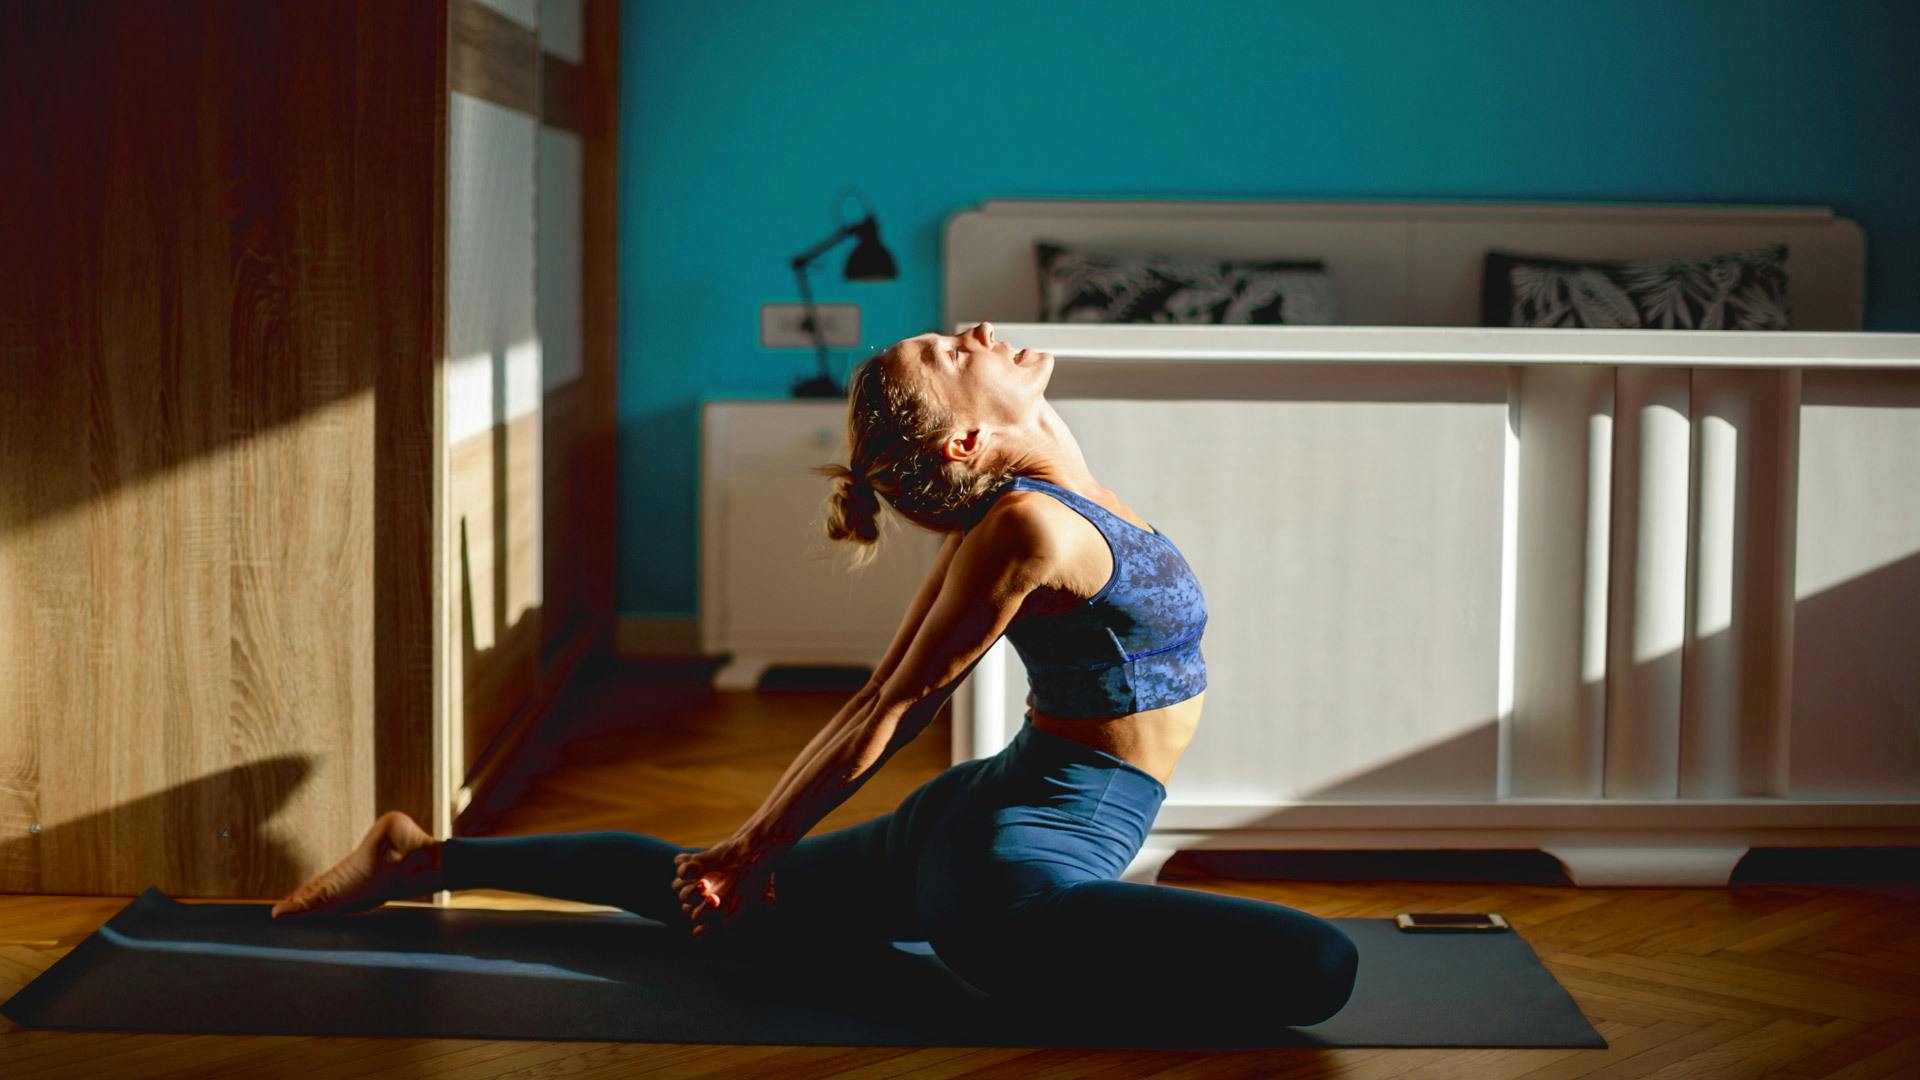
(1640, 599)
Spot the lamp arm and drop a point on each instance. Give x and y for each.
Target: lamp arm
(820, 248)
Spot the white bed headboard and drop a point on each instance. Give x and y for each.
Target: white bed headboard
(1396, 264)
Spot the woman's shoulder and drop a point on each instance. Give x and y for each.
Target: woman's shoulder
(1025, 524)
(1012, 513)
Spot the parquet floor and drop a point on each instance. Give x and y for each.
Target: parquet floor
(1762, 980)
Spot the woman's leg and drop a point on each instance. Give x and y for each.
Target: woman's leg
(850, 884)
(844, 882)
(1179, 954)
(624, 869)
(1020, 894)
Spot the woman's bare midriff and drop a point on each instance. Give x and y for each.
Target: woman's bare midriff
(1152, 740)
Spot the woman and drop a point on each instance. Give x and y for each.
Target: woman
(1007, 866)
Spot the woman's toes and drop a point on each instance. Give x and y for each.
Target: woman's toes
(378, 870)
(297, 902)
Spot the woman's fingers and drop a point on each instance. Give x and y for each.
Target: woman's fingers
(697, 890)
(708, 895)
(712, 906)
(696, 896)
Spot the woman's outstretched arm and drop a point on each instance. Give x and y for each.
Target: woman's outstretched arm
(849, 713)
(1003, 560)
(902, 638)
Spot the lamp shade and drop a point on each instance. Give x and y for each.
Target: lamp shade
(869, 260)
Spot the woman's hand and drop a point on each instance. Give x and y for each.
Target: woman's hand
(715, 885)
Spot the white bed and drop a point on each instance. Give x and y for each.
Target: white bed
(1640, 599)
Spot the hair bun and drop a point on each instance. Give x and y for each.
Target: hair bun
(854, 509)
(855, 488)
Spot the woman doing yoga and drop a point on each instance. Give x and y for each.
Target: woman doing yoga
(1007, 866)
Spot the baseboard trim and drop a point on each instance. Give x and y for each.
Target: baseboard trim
(643, 636)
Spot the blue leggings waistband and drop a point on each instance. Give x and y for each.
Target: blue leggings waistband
(1039, 743)
(1040, 779)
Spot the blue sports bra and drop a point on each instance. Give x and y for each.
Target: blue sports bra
(1132, 646)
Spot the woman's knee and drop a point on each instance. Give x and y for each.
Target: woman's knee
(1298, 968)
(1328, 984)
(1224, 955)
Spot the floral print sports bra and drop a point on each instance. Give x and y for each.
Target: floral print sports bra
(1132, 646)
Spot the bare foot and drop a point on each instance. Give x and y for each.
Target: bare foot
(395, 860)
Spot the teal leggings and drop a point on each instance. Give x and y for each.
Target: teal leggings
(1006, 867)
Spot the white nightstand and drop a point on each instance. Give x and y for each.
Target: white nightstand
(773, 588)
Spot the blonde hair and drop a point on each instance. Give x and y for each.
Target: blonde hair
(896, 433)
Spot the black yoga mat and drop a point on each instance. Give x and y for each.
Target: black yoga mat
(160, 965)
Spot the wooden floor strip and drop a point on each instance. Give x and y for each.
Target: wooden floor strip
(1750, 1054)
(1898, 1060)
(1623, 1041)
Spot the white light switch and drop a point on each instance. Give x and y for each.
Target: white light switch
(783, 326)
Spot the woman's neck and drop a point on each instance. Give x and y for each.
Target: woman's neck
(1054, 455)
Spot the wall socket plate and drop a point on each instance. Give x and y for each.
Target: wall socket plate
(783, 326)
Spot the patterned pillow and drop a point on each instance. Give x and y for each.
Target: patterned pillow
(1744, 290)
(1082, 286)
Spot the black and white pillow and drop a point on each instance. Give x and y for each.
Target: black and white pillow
(1084, 286)
(1742, 290)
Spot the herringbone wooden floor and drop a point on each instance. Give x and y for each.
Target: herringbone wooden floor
(1773, 980)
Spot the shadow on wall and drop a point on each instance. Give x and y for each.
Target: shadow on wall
(498, 678)
(1849, 661)
(170, 303)
(214, 837)
(1853, 658)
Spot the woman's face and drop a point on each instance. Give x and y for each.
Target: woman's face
(985, 383)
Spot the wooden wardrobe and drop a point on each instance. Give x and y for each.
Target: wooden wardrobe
(306, 421)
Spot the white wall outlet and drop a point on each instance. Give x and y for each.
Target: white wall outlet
(783, 326)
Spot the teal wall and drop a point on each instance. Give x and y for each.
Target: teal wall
(740, 121)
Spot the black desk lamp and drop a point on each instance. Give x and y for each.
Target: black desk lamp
(869, 261)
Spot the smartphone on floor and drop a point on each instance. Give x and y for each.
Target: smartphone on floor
(1422, 922)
